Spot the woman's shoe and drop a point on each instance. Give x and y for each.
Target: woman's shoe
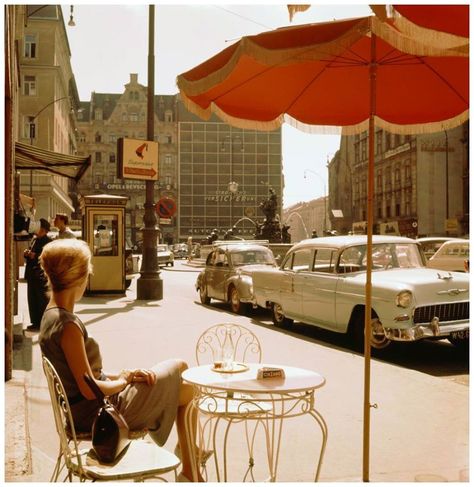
(205, 455)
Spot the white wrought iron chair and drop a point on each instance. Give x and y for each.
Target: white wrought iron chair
(247, 348)
(141, 461)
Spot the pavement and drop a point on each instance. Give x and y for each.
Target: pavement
(434, 447)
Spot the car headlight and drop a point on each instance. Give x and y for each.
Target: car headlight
(404, 299)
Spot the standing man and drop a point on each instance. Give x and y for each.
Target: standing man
(60, 222)
(35, 278)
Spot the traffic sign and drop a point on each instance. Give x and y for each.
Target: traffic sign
(166, 207)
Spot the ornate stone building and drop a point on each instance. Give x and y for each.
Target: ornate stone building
(306, 217)
(108, 117)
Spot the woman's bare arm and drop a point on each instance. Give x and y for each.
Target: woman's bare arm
(72, 343)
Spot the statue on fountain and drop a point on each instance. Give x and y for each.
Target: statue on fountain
(271, 228)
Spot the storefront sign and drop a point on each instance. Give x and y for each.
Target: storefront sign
(137, 159)
(125, 186)
(389, 228)
(359, 228)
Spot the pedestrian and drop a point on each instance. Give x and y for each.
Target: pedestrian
(60, 222)
(190, 249)
(37, 289)
(150, 399)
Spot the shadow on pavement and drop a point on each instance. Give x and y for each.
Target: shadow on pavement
(437, 358)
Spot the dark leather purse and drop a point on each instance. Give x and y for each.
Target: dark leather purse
(110, 433)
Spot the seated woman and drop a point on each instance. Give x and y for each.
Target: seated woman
(148, 399)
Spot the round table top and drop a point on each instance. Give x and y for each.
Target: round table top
(295, 380)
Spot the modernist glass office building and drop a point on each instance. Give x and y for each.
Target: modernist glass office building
(224, 175)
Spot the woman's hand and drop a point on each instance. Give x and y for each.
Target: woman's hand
(144, 375)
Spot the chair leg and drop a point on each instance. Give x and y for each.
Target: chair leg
(57, 470)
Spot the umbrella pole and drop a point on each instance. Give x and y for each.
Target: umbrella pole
(368, 285)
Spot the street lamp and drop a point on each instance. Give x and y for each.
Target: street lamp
(325, 193)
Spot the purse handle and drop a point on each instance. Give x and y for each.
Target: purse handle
(94, 387)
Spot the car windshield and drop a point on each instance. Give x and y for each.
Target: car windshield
(384, 256)
(247, 257)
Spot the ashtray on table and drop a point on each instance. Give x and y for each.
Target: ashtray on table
(236, 368)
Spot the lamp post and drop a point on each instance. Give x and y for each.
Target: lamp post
(325, 193)
(447, 180)
(150, 284)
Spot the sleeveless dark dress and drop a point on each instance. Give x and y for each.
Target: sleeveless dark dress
(151, 407)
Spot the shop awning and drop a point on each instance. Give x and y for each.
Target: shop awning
(34, 158)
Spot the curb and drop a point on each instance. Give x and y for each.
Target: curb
(18, 459)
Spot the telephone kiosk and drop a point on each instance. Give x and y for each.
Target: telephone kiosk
(103, 228)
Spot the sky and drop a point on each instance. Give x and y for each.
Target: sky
(110, 41)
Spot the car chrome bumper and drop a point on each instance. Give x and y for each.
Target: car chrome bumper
(429, 330)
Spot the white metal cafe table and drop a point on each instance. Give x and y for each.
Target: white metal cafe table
(239, 396)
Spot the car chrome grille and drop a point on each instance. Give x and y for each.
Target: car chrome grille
(445, 312)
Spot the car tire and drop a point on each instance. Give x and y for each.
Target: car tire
(460, 343)
(236, 305)
(205, 299)
(377, 342)
(279, 319)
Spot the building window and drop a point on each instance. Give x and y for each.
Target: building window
(407, 207)
(388, 141)
(397, 209)
(98, 114)
(30, 85)
(356, 152)
(30, 46)
(111, 157)
(407, 172)
(379, 142)
(98, 137)
(397, 140)
(98, 157)
(389, 212)
(364, 149)
(82, 137)
(168, 180)
(134, 117)
(29, 128)
(112, 138)
(168, 116)
(168, 160)
(379, 212)
(169, 139)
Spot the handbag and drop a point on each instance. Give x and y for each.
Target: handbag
(110, 433)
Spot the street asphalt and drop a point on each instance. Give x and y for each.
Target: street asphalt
(419, 429)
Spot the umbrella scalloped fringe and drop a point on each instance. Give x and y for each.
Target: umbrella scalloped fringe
(427, 43)
(430, 36)
(411, 129)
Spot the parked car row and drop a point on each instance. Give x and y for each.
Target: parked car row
(322, 282)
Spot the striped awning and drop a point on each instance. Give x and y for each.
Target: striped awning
(34, 158)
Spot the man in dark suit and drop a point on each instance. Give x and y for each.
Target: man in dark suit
(35, 277)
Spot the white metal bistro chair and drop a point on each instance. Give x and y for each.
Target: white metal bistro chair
(247, 348)
(141, 461)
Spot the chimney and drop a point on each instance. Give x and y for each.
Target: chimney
(133, 78)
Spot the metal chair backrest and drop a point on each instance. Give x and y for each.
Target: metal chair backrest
(246, 344)
(62, 417)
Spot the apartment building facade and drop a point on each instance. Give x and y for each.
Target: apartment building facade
(48, 101)
(420, 184)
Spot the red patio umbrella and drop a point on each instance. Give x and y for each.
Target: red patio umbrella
(354, 74)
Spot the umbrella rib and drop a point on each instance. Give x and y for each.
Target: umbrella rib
(443, 79)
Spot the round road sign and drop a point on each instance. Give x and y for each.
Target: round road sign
(166, 207)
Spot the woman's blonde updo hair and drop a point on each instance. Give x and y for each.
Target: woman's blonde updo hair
(66, 262)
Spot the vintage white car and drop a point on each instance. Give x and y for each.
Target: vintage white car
(451, 256)
(322, 282)
(228, 273)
